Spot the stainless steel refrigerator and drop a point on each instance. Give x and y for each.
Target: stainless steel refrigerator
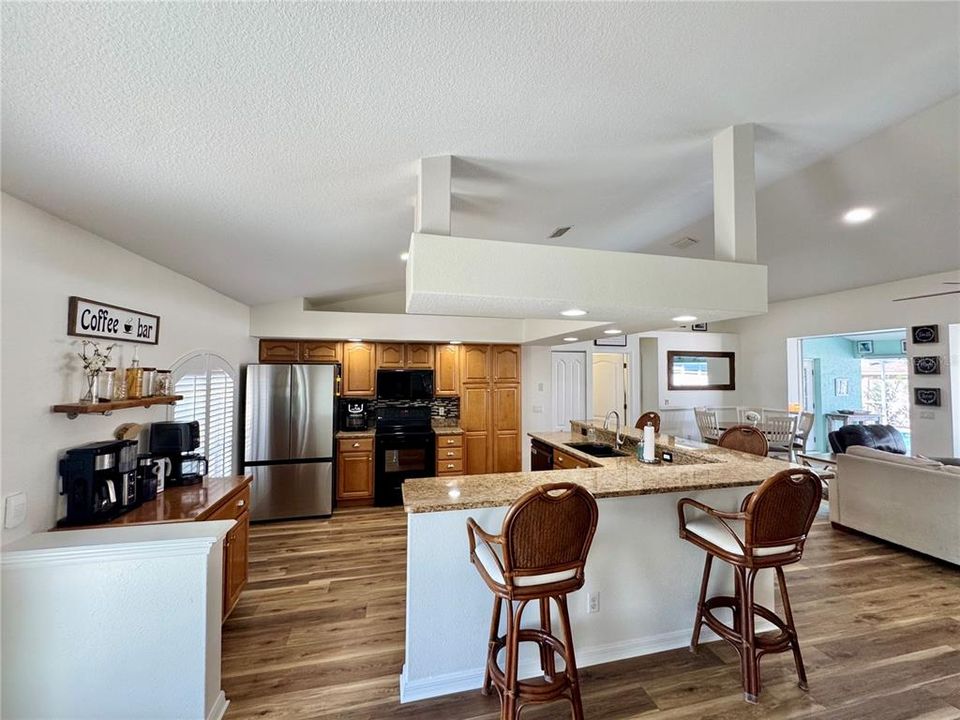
(288, 439)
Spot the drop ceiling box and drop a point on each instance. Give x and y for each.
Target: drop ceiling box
(487, 278)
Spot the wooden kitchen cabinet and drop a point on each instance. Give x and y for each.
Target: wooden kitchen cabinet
(418, 356)
(562, 461)
(390, 356)
(320, 351)
(279, 351)
(490, 408)
(236, 562)
(359, 370)
(474, 364)
(446, 382)
(355, 471)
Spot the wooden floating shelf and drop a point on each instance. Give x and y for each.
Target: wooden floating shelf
(74, 410)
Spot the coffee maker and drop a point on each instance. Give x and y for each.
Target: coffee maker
(174, 442)
(99, 480)
(353, 413)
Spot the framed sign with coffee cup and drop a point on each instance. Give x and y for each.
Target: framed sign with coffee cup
(89, 318)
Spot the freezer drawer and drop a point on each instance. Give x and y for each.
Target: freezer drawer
(291, 490)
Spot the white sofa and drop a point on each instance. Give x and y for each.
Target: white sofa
(913, 502)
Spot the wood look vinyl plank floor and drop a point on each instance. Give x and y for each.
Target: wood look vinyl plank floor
(319, 631)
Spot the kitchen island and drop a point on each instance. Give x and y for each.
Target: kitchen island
(646, 578)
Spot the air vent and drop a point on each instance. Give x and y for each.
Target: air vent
(560, 231)
(684, 242)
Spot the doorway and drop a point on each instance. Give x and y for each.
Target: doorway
(611, 385)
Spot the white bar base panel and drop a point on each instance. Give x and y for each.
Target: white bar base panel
(647, 579)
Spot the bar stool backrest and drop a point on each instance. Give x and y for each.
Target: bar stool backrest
(649, 417)
(745, 438)
(781, 511)
(548, 530)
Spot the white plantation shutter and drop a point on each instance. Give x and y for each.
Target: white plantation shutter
(208, 385)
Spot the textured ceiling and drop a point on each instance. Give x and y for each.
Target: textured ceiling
(268, 150)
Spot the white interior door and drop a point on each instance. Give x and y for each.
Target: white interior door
(569, 388)
(611, 385)
(810, 397)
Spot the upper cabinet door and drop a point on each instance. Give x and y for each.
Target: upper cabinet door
(475, 363)
(446, 381)
(390, 355)
(506, 363)
(320, 351)
(359, 370)
(419, 356)
(279, 351)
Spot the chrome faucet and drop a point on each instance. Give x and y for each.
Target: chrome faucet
(619, 438)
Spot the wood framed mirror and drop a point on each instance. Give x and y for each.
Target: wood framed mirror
(701, 370)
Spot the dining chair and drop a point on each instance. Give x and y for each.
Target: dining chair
(804, 427)
(749, 416)
(781, 432)
(649, 417)
(707, 424)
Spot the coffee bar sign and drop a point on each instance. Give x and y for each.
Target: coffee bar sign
(89, 318)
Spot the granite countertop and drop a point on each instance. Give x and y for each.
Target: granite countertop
(697, 466)
(348, 434)
(447, 430)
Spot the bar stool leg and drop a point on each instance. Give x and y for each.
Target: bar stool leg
(695, 640)
(571, 662)
(508, 703)
(750, 661)
(792, 629)
(547, 660)
(491, 653)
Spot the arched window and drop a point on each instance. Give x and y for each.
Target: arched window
(208, 384)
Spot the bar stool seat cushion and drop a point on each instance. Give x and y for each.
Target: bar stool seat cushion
(490, 559)
(710, 530)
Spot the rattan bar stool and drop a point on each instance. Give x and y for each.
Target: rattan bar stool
(539, 556)
(768, 532)
(745, 438)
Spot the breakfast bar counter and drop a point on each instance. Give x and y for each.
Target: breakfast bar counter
(645, 578)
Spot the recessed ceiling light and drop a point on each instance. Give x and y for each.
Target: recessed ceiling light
(684, 318)
(455, 342)
(405, 256)
(573, 312)
(570, 339)
(356, 339)
(858, 215)
(613, 331)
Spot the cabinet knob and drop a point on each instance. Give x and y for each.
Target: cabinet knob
(450, 466)
(449, 454)
(356, 444)
(241, 503)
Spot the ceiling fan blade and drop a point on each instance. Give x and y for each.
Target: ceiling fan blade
(929, 295)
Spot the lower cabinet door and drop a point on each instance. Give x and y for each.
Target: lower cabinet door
(235, 562)
(355, 477)
(476, 449)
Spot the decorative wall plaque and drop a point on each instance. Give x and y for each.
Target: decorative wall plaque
(927, 397)
(928, 365)
(923, 334)
(89, 318)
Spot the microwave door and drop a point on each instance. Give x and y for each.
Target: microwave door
(267, 421)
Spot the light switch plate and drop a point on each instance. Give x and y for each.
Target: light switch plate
(14, 509)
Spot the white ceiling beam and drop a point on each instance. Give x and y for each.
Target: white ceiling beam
(433, 195)
(734, 195)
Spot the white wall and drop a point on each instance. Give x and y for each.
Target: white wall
(537, 408)
(46, 260)
(762, 364)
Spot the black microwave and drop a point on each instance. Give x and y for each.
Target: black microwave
(404, 384)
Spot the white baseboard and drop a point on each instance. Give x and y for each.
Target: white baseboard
(219, 708)
(472, 679)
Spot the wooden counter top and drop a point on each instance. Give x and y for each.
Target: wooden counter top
(186, 503)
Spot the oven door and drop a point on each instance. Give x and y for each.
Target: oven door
(398, 458)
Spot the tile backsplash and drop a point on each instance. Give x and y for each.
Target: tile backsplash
(450, 405)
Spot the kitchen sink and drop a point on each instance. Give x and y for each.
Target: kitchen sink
(596, 449)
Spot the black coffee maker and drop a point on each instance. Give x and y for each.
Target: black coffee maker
(175, 441)
(99, 480)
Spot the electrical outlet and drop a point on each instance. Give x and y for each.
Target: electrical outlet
(14, 510)
(666, 402)
(441, 411)
(537, 409)
(593, 602)
(539, 387)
